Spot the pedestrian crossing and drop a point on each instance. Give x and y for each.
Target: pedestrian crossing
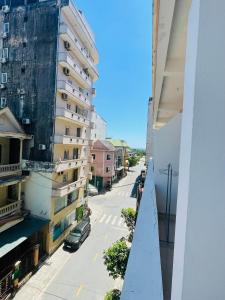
(112, 220)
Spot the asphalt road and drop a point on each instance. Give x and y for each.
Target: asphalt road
(83, 275)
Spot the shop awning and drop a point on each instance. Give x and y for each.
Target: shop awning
(17, 234)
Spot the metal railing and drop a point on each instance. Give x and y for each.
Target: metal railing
(10, 168)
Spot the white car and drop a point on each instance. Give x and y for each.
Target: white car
(92, 191)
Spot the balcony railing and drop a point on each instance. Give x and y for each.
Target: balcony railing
(80, 50)
(65, 87)
(67, 61)
(9, 169)
(62, 189)
(57, 166)
(70, 140)
(143, 279)
(70, 115)
(10, 208)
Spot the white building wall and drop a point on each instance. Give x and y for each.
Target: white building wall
(38, 194)
(199, 257)
(99, 131)
(166, 151)
(149, 140)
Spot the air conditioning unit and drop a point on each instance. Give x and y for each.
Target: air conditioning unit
(3, 102)
(5, 9)
(42, 147)
(67, 45)
(64, 96)
(26, 121)
(66, 71)
(93, 91)
(3, 60)
(4, 35)
(2, 86)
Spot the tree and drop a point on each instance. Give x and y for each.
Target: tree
(129, 216)
(133, 160)
(113, 295)
(116, 258)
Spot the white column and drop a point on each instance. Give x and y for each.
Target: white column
(199, 257)
(19, 191)
(149, 140)
(21, 149)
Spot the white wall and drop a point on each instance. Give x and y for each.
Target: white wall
(149, 139)
(38, 191)
(100, 127)
(199, 257)
(166, 149)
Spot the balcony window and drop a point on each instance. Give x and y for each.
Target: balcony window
(72, 197)
(65, 178)
(6, 27)
(68, 106)
(78, 132)
(107, 169)
(75, 153)
(60, 203)
(66, 154)
(93, 155)
(108, 157)
(67, 131)
(4, 78)
(75, 175)
(5, 52)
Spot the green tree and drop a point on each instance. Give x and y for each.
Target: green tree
(133, 160)
(116, 258)
(129, 216)
(113, 295)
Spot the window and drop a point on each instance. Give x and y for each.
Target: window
(65, 178)
(3, 102)
(5, 52)
(75, 153)
(78, 132)
(6, 27)
(4, 78)
(60, 203)
(108, 157)
(93, 155)
(66, 154)
(107, 169)
(68, 106)
(67, 131)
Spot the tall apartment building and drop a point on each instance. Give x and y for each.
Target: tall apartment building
(48, 68)
(178, 247)
(98, 126)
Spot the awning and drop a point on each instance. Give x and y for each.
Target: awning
(17, 234)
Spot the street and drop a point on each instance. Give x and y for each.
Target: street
(82, 274)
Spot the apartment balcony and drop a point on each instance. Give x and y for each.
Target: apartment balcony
(78, 21)
(63, 189)
(10, 209)
(69, 115)
(74, 94)
(70, 164)
(79, 50)
(143, 279)
(10, 169)
(67, 61)
(70, 140)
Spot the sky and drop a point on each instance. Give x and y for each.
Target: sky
(123, 32)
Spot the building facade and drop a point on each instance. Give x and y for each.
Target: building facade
(103, 165)
(48, 60)
(182, 208)
(98, 126)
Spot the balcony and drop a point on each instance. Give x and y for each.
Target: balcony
(69, 115)
(9, 169)
(70, 140)
(73, 93)
(67, 61)
(10, 209)
(63, 189)
(78, 49)
(80, 23)
(143, 279)
(70, 164)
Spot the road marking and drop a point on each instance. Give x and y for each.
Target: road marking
(103, 218)
(95, 257)
(120, 222)
(107, 221)
(114, 220)
(78, 291)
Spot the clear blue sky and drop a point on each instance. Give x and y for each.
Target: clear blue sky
(123, 31)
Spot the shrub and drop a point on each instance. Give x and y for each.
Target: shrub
(113, 295)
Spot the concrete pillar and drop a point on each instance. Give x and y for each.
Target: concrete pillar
(149, 140)
(21, 149)
(19, 191)
(199, 257)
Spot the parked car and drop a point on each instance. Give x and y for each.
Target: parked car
(92, 190)
(78, 235)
